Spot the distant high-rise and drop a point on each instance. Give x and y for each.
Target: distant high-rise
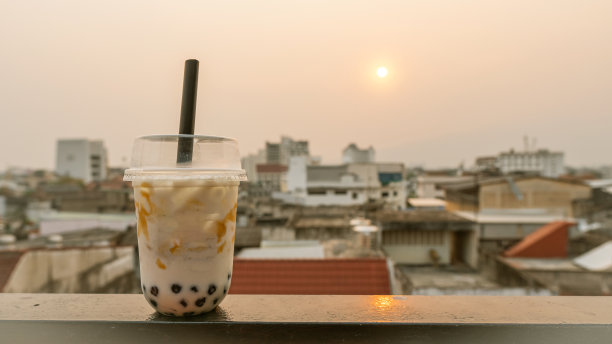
(280, 153)
(352, 154)
(82, 159)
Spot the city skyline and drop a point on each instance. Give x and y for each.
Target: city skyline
(464, 79)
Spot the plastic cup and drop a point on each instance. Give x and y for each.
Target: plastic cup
(186, 220)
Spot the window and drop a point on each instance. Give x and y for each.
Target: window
(385, 194)
(317, 192)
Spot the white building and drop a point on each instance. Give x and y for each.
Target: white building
(546, 163)
(82, 159)
(352, 154)
(348, 184)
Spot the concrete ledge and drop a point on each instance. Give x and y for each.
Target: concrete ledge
(27, 318)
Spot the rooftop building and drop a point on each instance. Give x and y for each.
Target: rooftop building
(353, 154)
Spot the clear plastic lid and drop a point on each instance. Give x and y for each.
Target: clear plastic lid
(200, 157)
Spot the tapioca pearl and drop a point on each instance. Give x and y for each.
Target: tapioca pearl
(229, 276)
(200, 302)
(153, 302)
(211, 289)
(183, 303)
(194, 289)
(154, 291)
(176, 288)
(215, 301)
(224, 290)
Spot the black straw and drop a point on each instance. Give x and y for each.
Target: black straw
(188, 108)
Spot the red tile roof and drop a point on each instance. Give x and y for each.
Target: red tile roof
(549, 241)
(363, 276)
(271, 168)
(8, 261)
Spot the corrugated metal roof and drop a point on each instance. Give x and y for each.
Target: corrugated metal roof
(597, 259)
(365, 276)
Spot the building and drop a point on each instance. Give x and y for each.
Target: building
(66, 222)
(81, 159)
(95, 260)
(250, 162)
(533, 193)
(280, 153)
(273, 155)
(562, 276)
(353, 154)
(431, 237)
(546, 163)
(430, 186)
(505, 229)
(272, 177)
(344, 185)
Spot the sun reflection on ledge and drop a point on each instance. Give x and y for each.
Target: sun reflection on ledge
(383, 302)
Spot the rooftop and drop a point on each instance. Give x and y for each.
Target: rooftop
(549, 241)
(426, 202)
(512, 217)
(471, 184)
(419, 216)
(364, 276)
(326, 173)
(540, 264)
(271, 168)
(321, 222)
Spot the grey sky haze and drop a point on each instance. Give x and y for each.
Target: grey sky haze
(466, 78)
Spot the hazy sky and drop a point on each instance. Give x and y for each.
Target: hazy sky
(466, 78)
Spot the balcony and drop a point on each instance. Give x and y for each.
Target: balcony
(93, 318)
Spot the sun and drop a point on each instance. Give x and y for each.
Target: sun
(381, 72)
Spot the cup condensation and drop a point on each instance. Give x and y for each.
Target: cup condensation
(186, 222)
